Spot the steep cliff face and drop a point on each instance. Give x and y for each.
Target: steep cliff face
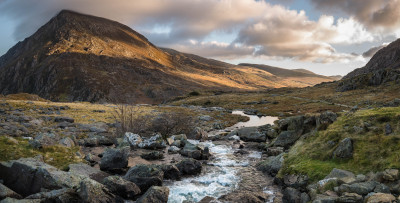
(77, 57)
(383, 67)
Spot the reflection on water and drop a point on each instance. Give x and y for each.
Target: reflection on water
(254, 120)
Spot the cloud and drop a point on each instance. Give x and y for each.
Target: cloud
(377, 15)
(372, 51)
(262, 29)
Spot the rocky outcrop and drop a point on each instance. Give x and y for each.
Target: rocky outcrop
(145, 176)
(155, 194)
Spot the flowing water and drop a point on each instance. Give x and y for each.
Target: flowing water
(219, 176)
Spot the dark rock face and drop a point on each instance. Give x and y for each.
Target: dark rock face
(114, 159)
(122, 187)
(291, 195)
(155, 155)
(344, 149)
(189, 167)
(171, 172)
(145, 176)
(155, 194)
(287, 139)
(272, 165)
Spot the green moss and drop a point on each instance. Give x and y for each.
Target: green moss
(57, 156)
(373, 150)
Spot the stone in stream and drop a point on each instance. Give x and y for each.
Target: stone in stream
(145, 176)
(189, 167)
(155, 194)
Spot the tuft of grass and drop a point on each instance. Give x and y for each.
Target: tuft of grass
(57, 156)
(372, 149)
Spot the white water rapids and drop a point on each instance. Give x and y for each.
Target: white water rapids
(219, 176)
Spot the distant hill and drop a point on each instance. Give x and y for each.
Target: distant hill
(78, 57)
(383, 67)
(302, 76)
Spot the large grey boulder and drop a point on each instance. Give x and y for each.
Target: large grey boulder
(122, 187)
(88, 171)
(154, 142)
(193, 151)
(344, 149)
(133, 139)
(251, 134)
(44, 140)
(272, 165)
(189, 167)
(380, 198)
(61, 195)
(291, 195)
(145, 176)
(114, 159)
(93, 191)
(7, 192)
(359, 188)
(324, 119)
(342, 176)
(296, 181)
(155, 194)
(171, 172)
(286, 139)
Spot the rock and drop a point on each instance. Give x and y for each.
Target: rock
(304, 198)
(344, 149)
(67, 142)
(122, 187)
(192, 151)
(173, 150)
(342, 175)
(90, 158)
(7, 192)
(324, 119)
(198, 134)
(171, 172)
(114, 159)
(154, 142)
(88, 171)
(92, 191)
(61, 195)
(145, 176)
(245, 197)
(133, 139)
(388, 129)
(381, 188)
(205, 118)
(155, 194)
(189, 167)
(326, 184)
(296, 181)
(291, 195)
(155, 155)
(251, 134)
(63, 119)
(286, 139)
(272, 165)
(350, 198)
(274, 151)
(390, 175)
(208, 199)
(380, 198)
(44, 140)
(360, 188)
(180, 137)
(325, 199)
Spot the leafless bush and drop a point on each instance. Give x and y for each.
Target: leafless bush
(134, 119)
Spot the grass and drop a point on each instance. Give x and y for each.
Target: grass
(57, 156)
(373, 150)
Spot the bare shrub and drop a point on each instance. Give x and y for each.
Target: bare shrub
(168, 124)
(131, 119)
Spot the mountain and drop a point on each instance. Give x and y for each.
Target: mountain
(383, 67)
(298, 76)
(78, 57)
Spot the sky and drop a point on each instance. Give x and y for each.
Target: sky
(328, 37)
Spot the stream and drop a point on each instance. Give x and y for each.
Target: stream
(221, 175)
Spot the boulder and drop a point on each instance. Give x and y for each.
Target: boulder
(380, 198)
(92, 191)
(275, 151)
(189, 167)
(67, 142)
(173, 150)
(88, 171)
(155, 155)
(155, 194)
(291, 195)
(60, 195)
(272, 165)
(296, 181)
(7, 192)
(344, 149)
(325, 199)
(251, 134)
(63, 119)
(286, 139)
(245, 197)
(145, 176)
(133, 139)
(382, 188)
(122, 187)
(171, 172)
(388, 129)
(114, 159)
(359, 188)
(198, 134)
(12, 200)
(324, 119)
(154, 142)
(342, 175)
(44, 140)
(350, 198)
